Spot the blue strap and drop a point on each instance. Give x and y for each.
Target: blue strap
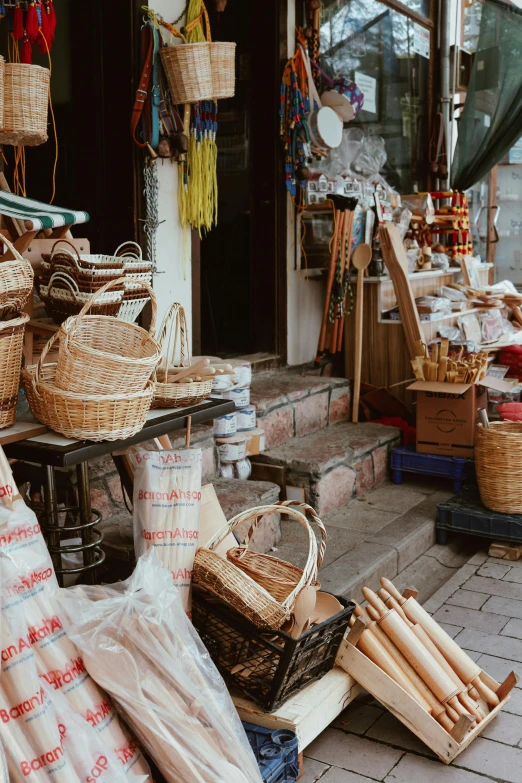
(155, 93)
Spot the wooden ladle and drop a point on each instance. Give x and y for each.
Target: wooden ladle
(362, 255)
(303, 609)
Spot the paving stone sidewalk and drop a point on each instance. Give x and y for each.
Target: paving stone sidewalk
(481, 607)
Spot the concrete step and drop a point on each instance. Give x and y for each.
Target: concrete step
(337, 463)
(388, 532)
(293, 404)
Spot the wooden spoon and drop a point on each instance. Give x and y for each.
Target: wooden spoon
(362, 255)
(326, 606)
(304, 606)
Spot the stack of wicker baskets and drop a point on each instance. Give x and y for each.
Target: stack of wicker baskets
(101, 388)
(138, 272)
(16, 285)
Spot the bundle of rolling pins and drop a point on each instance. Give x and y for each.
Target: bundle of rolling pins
(202, 370)
(439, 364)
(410, 647)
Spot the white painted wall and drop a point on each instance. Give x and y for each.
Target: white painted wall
(305, 298)
(173, 255)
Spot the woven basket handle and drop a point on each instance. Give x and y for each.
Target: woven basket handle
(65, 249)
(63, 277)
(12, 248)
(173, 330)
(310, 570)
(138, 256)
(41, 361)
(106, 287)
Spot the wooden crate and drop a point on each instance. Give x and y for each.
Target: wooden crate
(310, 711)
(407, 710)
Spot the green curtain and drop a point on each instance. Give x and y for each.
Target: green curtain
(491, 120)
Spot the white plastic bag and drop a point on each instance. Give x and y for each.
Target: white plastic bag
(34, 644)
(139, 645)
(167, 503)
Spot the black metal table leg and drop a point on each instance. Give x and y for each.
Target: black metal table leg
(51, 526)
(88, 534)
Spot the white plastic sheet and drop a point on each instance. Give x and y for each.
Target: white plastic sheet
(139, 645)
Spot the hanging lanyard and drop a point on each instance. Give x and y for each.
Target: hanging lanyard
(155, 92)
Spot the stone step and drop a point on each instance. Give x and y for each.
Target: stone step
(385, 533)
(337, 463)
(292, 404)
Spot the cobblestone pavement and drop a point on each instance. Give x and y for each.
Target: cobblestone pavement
(481, 607)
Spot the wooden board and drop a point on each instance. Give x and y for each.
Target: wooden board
(310, 711)
(21, 430)
(504, 550)
(408, 711)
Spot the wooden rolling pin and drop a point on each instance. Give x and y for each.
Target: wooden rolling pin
(466, 668)
(373, 649)
(444, 714)
(414, 651)
(421, 634)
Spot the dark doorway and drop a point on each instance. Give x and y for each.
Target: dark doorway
(240, 298)
(92, 91)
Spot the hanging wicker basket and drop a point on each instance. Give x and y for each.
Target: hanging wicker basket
(83, 416)
(223, 66)
(188, 71)
(173, 339)
(498, 462)
(237, 588)
(26, 100)
(16, 281)
(11, 347)
(102, 355)
(2, 80)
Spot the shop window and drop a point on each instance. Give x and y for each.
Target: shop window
(388, 55)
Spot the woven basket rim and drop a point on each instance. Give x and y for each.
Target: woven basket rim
(148, 338)
(18, 321)
(57, 392)
(27, 65)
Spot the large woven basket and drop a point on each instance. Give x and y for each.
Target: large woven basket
(83, 416)
(173, 338)
(237, 588)
(2, 79)
(26, 99)
(223, 65)
(102, 355)
(189, 72)
(498, 462)
(11, 347)
(278, 577)
(16, 281)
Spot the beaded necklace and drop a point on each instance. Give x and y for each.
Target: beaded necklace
(293, 126)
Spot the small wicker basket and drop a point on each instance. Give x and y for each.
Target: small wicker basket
(102, 355)
(26, 100)
(16, 281)
(83, 416)
(223, 65)
(11, 348)
(498, 462)
(173, 338)
(189, 72)
(237, 588)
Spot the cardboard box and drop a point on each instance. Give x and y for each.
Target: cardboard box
(447, 414)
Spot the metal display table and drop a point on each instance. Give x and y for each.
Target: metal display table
(55, 451)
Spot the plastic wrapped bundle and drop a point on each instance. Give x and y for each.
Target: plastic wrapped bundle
(138, 645)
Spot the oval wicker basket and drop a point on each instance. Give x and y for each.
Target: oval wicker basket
(11, 347)
(237, 588)
(83, 416)
(173, 338)
(498, 462)
(16, 281)
(26, 100)
(103, 355)
(223, 65)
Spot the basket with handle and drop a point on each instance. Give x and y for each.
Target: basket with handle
(26, 99)
(11, 348)
(102, 355)
(16, 281)
(498, 463)
(277, 576)
(65, 300)
(188, 69)
(83, 416)
(173, 338)
(239, 590)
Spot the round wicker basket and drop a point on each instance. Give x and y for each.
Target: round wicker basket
(16, 281)
(11, 347)
(26, 99)
(498, 462)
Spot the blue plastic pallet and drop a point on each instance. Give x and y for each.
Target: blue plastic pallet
(410, 461)
(277, 753)
(465, 513)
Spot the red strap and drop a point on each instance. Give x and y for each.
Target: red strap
(142, 92)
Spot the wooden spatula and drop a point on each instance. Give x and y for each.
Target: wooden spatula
(362, 255)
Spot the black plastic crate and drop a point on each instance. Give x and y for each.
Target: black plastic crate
(267, 666)
(465, 513)
(276, 752)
